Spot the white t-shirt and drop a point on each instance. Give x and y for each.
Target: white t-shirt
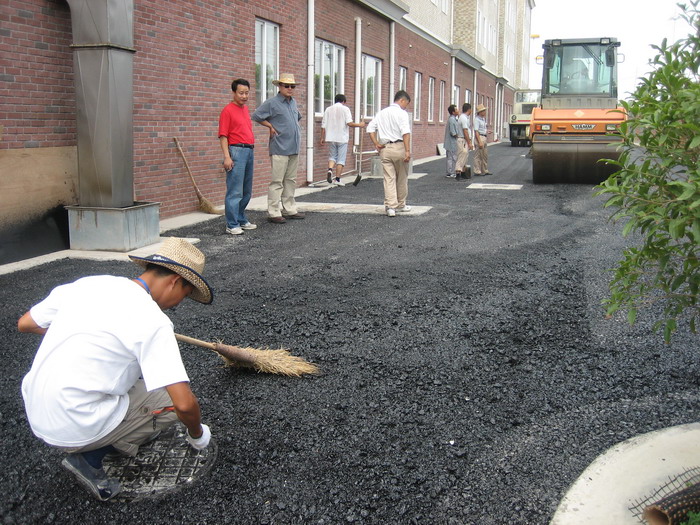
(465, 123)
(104, 333)
(335, 122)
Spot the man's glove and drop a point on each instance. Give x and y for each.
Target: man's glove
(202, 441)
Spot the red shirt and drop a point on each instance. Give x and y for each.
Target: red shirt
(235, 124)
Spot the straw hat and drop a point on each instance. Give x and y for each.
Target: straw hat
(285, 78)
(185, 260)
(480, 108)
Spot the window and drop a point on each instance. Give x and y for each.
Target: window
(442, 101)
(455, 95)
(431, 99)
(371, 85)
(403, 74)
(329, 74)
(416, 101)
(479, 28)
(468, 96)
(266, 59)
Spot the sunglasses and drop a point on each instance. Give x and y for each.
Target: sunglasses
(288, 85)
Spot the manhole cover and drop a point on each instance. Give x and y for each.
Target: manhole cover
(166, 464)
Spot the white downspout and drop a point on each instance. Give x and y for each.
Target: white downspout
(310, 59)
(358, 80)
(392, 63)
(453, 80)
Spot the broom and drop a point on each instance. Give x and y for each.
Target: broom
(278, 361)
(204, 204)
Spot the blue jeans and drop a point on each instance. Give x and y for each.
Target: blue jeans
(239, 186)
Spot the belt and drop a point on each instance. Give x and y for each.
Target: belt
(239, 145)
(482, 134)
(394, 141)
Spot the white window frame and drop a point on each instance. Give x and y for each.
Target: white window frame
(336, 78)
(455, 95)
(371, 108)
(403, 76)
(417, 87)
(431, 99)
(264, 88)
(441, 116)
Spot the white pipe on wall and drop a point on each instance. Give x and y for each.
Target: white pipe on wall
(358, 78)
(392, 62)
(310, 59)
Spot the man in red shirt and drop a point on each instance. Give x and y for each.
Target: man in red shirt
(237, 143)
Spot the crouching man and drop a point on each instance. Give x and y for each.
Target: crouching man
(108, 375)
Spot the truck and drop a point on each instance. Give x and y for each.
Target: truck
(577, 123)
(524, 101)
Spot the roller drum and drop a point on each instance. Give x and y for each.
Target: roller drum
(569, 159)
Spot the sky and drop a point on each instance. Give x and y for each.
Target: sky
(635, 23)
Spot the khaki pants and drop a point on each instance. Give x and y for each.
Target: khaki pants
(140, 422)
(395, 175)
(481, 160)
(462, 155)
(280, 193)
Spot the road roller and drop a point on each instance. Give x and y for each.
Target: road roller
(577, 123)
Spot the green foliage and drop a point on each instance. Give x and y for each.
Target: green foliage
(693, 519)
(657, 188)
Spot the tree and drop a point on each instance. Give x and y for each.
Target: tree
(657, 187)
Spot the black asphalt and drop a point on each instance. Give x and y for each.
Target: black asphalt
(469, 374)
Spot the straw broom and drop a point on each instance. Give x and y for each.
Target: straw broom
(204, 204)
(278, 361)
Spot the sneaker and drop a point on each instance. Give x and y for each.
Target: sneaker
(391, 212)
(235, 231)
(329, 176)
(405, 208)
(450, 175)
(248, 226)
(338, 182)
(93, 479)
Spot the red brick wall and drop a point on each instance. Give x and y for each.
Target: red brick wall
(418, 55)
(37, 98)
(186, 56)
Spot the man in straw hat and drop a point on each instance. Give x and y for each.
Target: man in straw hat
(481, 157)
(280, 115)
(108, 375)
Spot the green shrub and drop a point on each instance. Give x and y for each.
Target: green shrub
(693, 519)
(657, 187)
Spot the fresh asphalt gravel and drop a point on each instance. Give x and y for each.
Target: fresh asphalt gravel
(469, 374)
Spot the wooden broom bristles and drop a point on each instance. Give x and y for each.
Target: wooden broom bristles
(277, 361)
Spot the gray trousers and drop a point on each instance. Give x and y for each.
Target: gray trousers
(144, 417)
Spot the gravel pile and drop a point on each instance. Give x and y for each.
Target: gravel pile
(469, 375)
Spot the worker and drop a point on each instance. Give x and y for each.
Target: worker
(108, 375)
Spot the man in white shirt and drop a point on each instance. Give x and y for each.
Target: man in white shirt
(390, 131)
(108, 375)
(335, 125)
(464, 142)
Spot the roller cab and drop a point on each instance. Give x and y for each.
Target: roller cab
(577, 123)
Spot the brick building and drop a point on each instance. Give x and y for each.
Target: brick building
(187, 53)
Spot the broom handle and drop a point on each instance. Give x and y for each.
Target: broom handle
(189, 172)
(234, 353)
(195, 342)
